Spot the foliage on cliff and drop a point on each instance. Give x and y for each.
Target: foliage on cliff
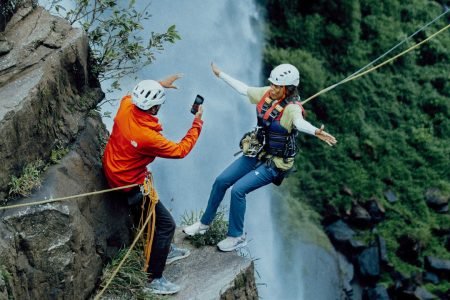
(119, 46)
(392, 125)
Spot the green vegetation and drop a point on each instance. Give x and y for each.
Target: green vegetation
(28, 180)
(58, 153)
(118, 44)
(216, 232)
(130, 279)
(30, 177)
(5, 277)
(392, 124)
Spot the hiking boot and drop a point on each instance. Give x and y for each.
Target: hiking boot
(176, 254)
(232, 243)
(161, 286)
(196, 228)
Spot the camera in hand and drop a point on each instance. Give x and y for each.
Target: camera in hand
(197, 102)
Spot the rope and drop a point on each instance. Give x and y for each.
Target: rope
(67, 197)
(375, 67)
(399, 44)
(149, 193)
(153, 198)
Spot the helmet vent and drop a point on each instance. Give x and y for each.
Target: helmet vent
(148, 93)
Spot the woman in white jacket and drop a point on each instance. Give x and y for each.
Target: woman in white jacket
(269, 151)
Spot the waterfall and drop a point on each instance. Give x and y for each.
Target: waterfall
(229, 33)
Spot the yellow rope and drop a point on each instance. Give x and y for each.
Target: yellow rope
(67, 198)
(375, 67)
(149, 209)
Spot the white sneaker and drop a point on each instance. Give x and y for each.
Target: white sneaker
(196, 228)
(232, 243)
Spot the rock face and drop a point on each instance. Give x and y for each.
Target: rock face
(58, 250)
(45, 89)
(55, 250)
(209, 274)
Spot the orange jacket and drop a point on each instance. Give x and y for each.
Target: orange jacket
(136, 141)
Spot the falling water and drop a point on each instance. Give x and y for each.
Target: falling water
(228, 33)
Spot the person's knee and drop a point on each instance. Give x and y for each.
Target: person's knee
(221, 182)
(238, 192)
(171, 226)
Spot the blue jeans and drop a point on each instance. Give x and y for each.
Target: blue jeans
(246, 174)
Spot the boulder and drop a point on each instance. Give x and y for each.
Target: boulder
(45, 89)
(390, 196)
(436, 200)
(377, 293)
(57, 250)
(369, 264)
(210, 274)
(438, 266)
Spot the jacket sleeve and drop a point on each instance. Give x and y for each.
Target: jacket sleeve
(159, 146)
(239, 86)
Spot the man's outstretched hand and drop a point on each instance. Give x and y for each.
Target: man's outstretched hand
(168, 81)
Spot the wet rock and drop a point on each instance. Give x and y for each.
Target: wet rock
(390, 196)
(340, 235)
(436, 200)
(438, 266)
(377, 293)
(430, 277)
(382, 250)
(369, 264)
(418, 294)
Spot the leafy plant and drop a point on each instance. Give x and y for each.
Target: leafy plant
(28, 181)
(118, 44)
(216, 232)
(58, 153)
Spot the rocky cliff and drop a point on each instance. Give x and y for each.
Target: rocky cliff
(47, 101)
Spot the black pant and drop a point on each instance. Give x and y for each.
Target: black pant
(164, 231)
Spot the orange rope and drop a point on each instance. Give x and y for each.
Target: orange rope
(148, 211)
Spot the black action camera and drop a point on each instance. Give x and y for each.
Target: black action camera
(197, 102)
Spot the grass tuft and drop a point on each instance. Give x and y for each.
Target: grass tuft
(216, 232)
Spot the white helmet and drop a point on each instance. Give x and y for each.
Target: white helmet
(147, 94)
(285, 74)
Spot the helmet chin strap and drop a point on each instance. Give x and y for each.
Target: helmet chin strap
(154, 110)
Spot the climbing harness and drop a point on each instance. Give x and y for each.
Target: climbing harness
(278, 141)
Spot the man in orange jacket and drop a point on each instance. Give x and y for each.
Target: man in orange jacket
(136, 141)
